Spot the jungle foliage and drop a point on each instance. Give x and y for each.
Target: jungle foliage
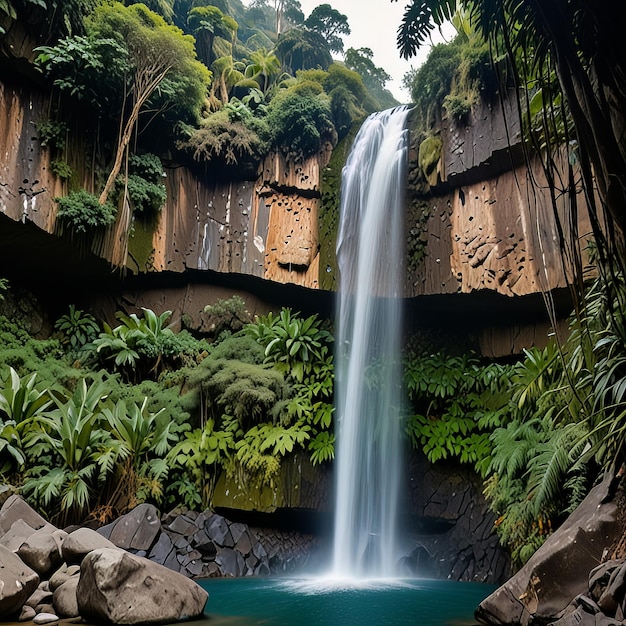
(218, 78)
(98, 417)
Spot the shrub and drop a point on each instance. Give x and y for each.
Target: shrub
(82, 212)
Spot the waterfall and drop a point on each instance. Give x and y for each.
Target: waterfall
(370, 254)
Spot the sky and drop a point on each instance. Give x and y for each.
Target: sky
(374, 24)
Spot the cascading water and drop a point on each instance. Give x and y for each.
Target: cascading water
(368, 382)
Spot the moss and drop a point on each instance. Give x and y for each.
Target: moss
(429, 157)
(329, 210)
(140, 244)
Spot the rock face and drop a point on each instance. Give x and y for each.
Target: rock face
(559, 570)
(455, 537)
(122, 588)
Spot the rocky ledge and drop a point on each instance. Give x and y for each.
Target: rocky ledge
(136, 570)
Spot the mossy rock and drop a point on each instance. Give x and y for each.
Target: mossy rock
(329, 210)
(429, 159)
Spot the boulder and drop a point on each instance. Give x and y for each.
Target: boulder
(42, 550)
(81, 542)
(26, 614)
(64, 598)
(123, 588)
(137, 530)
(38, 597)
(559, 570)
(19, 532)
(17, 583)
(15, 508)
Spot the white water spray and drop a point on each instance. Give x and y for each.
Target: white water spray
(368, 382)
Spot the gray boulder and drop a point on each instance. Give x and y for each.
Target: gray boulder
(42, 550)
(81, 542)
(38, 597)
(122, 588)
(17, 534)
(15, 508)
(17, 583)
(26, 614)
(64, 598)
(559, 570)
(136, 530)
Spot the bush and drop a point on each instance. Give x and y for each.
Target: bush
(144, 186)
(82, 212)
(300, 120)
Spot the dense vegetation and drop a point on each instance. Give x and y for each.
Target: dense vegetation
(98, 418)
(220, 83)
(561, 420)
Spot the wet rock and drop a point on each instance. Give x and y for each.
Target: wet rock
(39, 597)
(579, 617)
(615, 591)
(600, 576)
(243, 545)
(161, 549)
(59, 577)
(17, 582)
(204, 544)
(119, 587)
(26, 614)
(17, 534)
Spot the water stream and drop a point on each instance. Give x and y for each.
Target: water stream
(368, 370)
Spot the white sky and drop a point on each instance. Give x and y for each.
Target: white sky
(374, 24)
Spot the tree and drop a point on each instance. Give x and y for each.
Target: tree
(206, 24)
(300, 49)
(575, 42)
(374, 78)
(159, 55)
(264, 66)
(330, 24)
(44, 18)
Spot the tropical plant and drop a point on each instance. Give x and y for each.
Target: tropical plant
(300, 120)
(77, 328)
(230, 142)
(301, 49)
(226, 317)
(81, 453)
(263, 67)
(21, 401)
(141, 348)
(200, 456)
(290, 342)
(457, 403)
(206, 24)
(144, 439)
(143, 184)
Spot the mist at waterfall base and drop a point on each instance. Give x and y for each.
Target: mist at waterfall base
(362, 584)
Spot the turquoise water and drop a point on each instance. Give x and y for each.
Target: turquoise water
(309, 602)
